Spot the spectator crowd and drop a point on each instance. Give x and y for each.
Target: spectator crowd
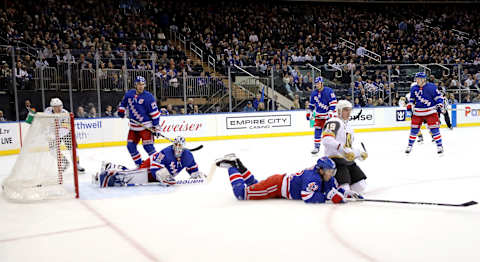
(363, 50)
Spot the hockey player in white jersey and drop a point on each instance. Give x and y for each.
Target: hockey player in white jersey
(56, 107)
(337, 138)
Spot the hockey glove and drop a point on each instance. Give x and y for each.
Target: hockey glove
(331, 114)
(409, 108)
(308, 114)
(352, 194)
(198, 175)
(157, 132)
(441, 109)
(335, 196)
(363, 155)
(349, 154)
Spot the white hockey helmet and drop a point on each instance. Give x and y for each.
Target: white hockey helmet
(56, 102)
(343, 104)
(178, 146)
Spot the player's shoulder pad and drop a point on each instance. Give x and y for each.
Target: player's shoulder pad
(332, 126)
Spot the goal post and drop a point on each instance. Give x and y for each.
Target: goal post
(46, 167)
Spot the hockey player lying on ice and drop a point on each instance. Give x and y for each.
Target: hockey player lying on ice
(160, 167)
(312, 185)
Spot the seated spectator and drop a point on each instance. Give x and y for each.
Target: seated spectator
(81, 112)
(259, 98)
(2, 118)
(92, 113)
(261, 107)
(249, 107)
(26, 109)
(196, 111)
(190, 106)
(108, 111)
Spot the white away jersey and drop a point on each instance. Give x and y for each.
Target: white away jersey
(337, 135)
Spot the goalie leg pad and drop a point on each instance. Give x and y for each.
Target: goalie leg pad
(112, 178)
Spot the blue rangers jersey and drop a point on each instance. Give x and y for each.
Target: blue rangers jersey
(142, 108)
(425, 100)
(322, 102)
(307, 186)
(166, 159)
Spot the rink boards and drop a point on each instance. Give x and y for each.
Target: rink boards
(100, 132)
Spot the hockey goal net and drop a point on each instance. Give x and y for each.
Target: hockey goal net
(46, 167)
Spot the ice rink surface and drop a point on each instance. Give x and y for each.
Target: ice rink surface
(206, 222)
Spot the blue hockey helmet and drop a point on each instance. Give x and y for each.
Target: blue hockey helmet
(318, 79)
(325, 163)
(140, 79)
(420, 75)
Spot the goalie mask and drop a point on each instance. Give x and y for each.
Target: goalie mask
(178, 146)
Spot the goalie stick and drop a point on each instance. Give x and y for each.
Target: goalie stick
(166, 138)
(466, 204)
(206, 180)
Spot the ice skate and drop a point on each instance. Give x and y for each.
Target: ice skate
(227, 161)
(315, 150)
(408, 150)
(440, 150)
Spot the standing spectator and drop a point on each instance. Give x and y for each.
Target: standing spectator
(21, 75)
(2, 118)
(108, 111)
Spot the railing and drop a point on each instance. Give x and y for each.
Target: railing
(425, 68)
(374, 56)
(348, 44)
(197, 50)
(211, 62)
(460, 34)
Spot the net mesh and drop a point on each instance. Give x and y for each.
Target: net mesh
(44, 167)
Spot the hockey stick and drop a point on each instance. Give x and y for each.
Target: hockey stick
(466, 204)
(178, 182)
(358, 115)
(363, 146)
(206, 180)
(166, 138)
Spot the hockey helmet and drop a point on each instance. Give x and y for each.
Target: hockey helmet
(178, 146)
(326, 163)
(56, 102)
(140, 79)
(420, 75)
(343, 104)
(318, 79)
